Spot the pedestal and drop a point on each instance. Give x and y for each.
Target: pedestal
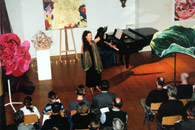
(43, 64)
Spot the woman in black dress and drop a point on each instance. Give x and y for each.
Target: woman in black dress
(91, 61)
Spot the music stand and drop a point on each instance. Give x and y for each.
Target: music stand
(10, 98)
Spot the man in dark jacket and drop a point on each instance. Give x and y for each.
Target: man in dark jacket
(56, 120)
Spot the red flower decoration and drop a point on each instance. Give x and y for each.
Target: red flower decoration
(14, 57)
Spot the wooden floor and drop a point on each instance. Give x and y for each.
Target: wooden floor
(131, 85)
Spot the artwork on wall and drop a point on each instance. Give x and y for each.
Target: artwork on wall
(184, 10)
(60, 14)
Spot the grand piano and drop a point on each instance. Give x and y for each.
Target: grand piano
(131, 41)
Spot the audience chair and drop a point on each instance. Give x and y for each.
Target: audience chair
(153, 109)
(73, 112)
(185, 101)
(30, 119)
(168, 121)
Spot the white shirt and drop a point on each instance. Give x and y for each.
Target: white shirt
(28, 112)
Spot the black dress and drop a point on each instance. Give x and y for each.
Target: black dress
(93, 78)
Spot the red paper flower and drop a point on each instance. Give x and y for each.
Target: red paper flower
(14, 57)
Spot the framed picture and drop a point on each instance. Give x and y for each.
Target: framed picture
(184, 10)
(61, 14)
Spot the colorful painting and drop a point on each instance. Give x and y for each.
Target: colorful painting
(184, 10)
(174, 39)
(60, 14)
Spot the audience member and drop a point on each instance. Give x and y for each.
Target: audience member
(155, 96)
(188, 124)
(172, 106)
(19, 122)
(82, 118)
(28, 108)
(185, 89)
(80, 92)
(52, 98)
(56, 120)
(105, 98)
(94, 125)
(114, 113)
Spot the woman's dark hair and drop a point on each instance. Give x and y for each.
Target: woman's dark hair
(28, 103)
(85, 42)
(18, 117)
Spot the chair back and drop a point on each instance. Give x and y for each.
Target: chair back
(73, 112)
(29, 119)
(170, 120)
(155, 106)
(185, 101)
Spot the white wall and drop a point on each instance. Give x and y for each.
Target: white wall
(156, 13)
(28, 19)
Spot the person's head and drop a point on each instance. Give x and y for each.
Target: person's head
(18, 117)
(52, 95)
(94, 125)
(117, 102)
(56, 108)
(191, 110)
(172, 91)
(184, 77)
(86, 37)
(105, 85)
(117, 124)
(160, 81)
(80, 90)
(27, 101)
(82, 108)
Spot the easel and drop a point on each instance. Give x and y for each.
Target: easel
(10, 98)
(66, 43)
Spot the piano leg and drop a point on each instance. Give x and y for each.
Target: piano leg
(127, 61)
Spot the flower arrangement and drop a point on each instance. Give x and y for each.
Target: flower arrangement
(42, 41)
(14, 57)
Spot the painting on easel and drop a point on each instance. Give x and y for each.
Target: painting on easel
(60, 14)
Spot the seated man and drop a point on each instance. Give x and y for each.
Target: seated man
(56, 120)
(105, 98)
(52, 96)
(157, 95)
(82, 118)
(114, 113)
(172, 106)
(80, 92)
(185, 89)
(188, 124)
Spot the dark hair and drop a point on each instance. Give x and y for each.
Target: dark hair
(191, 109)
(85, 42)
(94, 124)
(172, 90)
(27, 103)
(18, 117)
(160, 81)
(105, 85)
(82, 108)
(52, 95)
(80, 90)
(117, 104)
(56, 107)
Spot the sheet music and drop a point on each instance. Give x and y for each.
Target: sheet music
(119, 33)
